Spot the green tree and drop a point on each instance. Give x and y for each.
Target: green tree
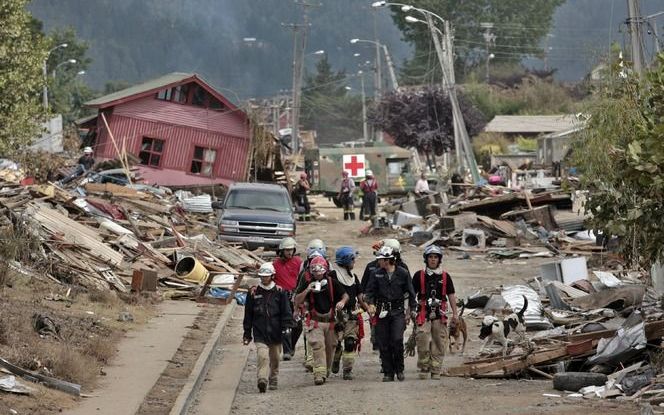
(22, 52)
(519, 26)
(328, 108)
(621, 156)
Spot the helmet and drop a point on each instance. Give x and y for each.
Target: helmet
(303, 175)
(266, 270)
(318, 265)
(392, 243)
(432, 249)
(344, 173)
(385, 252)
(368, 173)
(345, 255)
(287, 243)
(316, 245)
(88, 150)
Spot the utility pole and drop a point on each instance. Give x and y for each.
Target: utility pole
(635, 22)
(378, 78)
(365, 128)
(489, 39)
(390, 67)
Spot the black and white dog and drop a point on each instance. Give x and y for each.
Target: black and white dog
(495, 330)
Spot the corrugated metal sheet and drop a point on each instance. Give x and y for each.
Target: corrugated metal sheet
(152, 109)
(179, 143)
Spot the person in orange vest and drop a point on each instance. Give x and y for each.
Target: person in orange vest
(267, 316)
(369, 188)
(434, 289)
(287, 267)
(324, 296)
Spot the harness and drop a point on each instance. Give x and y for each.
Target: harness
(313, 314)
(422, 314)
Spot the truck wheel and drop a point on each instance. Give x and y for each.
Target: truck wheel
(337, 202)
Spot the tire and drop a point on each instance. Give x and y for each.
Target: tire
(337, 202)
(573, 381)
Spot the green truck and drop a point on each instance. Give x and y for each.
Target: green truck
(395, 168)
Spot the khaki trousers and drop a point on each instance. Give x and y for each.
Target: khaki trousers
(322, 342)
(432, 342)
(267, 361)
(350, 331)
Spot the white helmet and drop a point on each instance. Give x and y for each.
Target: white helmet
(88, 150)
(316, 245)
(287, 243)
(266, 270)
(385, 252)
(368, 173)
(392, 243)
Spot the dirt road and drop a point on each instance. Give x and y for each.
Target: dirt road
(366, 394)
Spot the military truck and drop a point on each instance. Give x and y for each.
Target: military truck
(395, 168)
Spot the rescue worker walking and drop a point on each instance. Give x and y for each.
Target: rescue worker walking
(434, 289)
(287, 267)
(385, 295)
(369, 188)
(323, 296)
(300, 195)
(349, 325)
(267, 315)
(345, 196)
(371, 267)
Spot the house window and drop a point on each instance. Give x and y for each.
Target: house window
(203, 161)
(165, 94)
(199, 96)
(151, 151)
(180, 94)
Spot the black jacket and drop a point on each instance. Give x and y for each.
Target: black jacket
(372, 267)
(266, 314)
(381, 289)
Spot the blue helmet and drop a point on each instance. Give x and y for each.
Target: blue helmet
(316, 247)
(345, 255)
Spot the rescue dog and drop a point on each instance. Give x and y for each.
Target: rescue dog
(460, 329)
(495, 330)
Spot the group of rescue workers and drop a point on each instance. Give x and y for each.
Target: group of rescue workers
(326, 301)
(369, 187)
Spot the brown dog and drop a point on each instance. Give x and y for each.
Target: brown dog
(458, 330)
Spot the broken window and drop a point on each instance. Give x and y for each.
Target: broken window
(203, 161)
(199, 97)
(165, 94)
(151, 151)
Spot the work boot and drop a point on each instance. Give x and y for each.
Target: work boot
(319, 380)
(287, 357)
(335, 366)
(352, 215)
(400, 376)
(388, 378)
(345, 215)
(435, 376)
(273, 384)
(424, 374)
(262, 385)
(348, 375)
(308, 367)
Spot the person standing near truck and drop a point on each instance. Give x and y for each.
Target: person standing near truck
(369, 188)
(345, 196)
(300, 192)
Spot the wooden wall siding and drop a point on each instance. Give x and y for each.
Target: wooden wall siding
(152, 109)
(232, 152)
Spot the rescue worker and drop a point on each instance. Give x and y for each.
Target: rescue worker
(345, 196)
(385, 295)
(324, 296)
(287, 267)
(267, 315)
(371, 267)
(84, 165)
(369, 188)
(315, 248)
(434, 289)
(349, 326)
(301, 199)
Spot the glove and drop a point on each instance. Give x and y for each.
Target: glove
(286, 331)
(371, 309)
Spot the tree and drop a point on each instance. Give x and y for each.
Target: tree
(328, 108)
(22, 52)
(519, 26)
(621, 156)
(422, 118)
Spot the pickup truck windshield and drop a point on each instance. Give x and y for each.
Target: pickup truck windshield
(252, 199)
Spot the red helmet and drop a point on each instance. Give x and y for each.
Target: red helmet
(318, 265)
(345, 173)
(303, 175)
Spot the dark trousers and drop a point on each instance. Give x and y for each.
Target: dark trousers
(369, 204)
(389, 333)
(303, 201)
(289, 342)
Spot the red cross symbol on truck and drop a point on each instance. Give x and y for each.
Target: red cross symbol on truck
(353, 166)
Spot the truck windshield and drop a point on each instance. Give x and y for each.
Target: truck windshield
(255, 199)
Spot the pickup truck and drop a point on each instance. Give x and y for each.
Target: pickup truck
(255, 214)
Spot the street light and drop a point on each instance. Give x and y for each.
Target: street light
(45, 73)
(318, 52)
(68, 61)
